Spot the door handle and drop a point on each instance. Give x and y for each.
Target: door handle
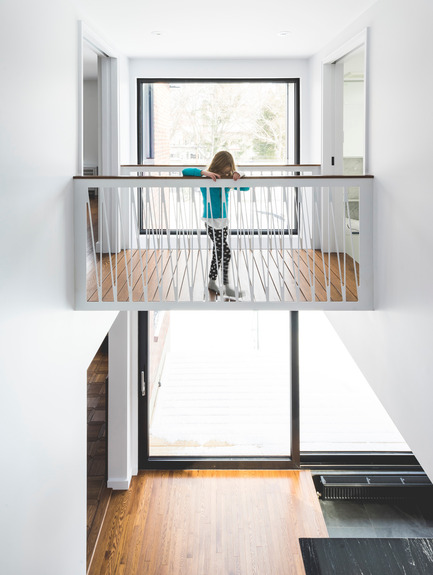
(143, 384)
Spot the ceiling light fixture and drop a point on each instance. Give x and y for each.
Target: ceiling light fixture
(284, 33)
(156, 33)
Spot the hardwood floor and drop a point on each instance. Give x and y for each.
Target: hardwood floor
(196, 522)
(174, 275)
(181, 275)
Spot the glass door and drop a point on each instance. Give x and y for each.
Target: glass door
(217, 386)
(340, 412)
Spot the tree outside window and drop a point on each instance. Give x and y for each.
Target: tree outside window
(194, 120)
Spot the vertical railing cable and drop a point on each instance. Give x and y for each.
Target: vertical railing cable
(242, 241)
(95, 263)
(199, 236)
(290, 218)
(105, 219)
(136, 227)
(128, 268)
(154, 239)
(321, 236)
(170, 192)
(343, 287)
(309, 233)
(351, 243)
(298, 208)
(260, 223)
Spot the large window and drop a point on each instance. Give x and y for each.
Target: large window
(185, 122)
(188, 121)
(221, 387)
(339, 411)
(263, 388)
(217, 387)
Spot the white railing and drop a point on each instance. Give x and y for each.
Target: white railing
(250, 171)
(294, 243)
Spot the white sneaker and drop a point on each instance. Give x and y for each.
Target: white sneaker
(230, 292)
(213, 286)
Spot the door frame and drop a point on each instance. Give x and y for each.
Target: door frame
(332, 104)
(108, 121)
(108, 102)
(147, 462)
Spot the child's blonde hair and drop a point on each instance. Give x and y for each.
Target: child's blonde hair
(223, 164)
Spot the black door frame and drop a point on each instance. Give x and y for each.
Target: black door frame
(147, 462)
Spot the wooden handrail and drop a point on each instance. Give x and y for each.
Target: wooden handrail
(313, 177)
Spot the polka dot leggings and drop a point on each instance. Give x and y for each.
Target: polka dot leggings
(220, 253)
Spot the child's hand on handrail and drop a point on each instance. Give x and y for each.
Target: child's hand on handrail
(212, 175)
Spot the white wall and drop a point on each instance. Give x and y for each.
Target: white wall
(284, 68)
(45, 345)
(393, 344)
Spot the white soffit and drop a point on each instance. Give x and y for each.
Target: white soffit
(221, 29)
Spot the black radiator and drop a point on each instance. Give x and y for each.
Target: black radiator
(373, 487)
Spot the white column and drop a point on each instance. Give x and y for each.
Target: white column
(122, 404)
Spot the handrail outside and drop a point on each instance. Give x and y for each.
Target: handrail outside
(150, 167)
(239, 165)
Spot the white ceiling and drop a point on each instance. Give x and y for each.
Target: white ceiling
(221, 28)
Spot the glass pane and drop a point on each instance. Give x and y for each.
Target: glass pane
(224, 386)
(191, 121)
(338, 409)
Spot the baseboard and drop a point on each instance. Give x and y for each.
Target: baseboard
(119, 484)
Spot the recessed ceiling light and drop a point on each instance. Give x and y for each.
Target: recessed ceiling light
(284, 33)
(156, 33)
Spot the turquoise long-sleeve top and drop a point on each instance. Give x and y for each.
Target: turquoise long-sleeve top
(214, 205)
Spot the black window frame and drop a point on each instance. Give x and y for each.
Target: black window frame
(382, 461)
(146, 461)
(151, 147)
